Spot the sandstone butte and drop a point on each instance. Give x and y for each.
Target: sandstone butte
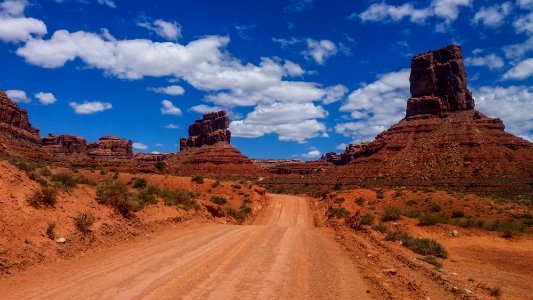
(441, 141)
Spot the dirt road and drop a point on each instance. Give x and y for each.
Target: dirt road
(281, 256)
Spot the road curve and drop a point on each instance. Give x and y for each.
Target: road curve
(281, 256)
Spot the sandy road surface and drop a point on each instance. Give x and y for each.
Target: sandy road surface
(281, 256)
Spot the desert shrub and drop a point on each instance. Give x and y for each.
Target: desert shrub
(458, 214)
(180, 198)
(397, 194)
(139, 183)
(380, 194)
(360, 201)
(411, 213)
(215, 184)
(46, 172)
(197, 179)
(423, 246)
(145, 197)
(83, 222)
(64, 181)
(115, 194)
(23, 166)
(411, 202)
(239, 215)
(435, 207)
(103, 172)
(84, 180)
(47, 196)
(236, 186)
(51, 230)
(367, 219)
(338, 212)
(219, 200)
(339, 200)
(160, 166)
(116, 175)
(381, 227)
(337, 187)
(431, 219)
(495, 292)
(432, 260)
(391, 213)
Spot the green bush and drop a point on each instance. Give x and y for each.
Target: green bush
(219, 200)
(381, 227)
(215, 184)
(360, 201)
(46, 172)
(435, 207)
(83, 222)
(338, 212)
(367, 219)
(47, 196)
(145, 197)
(431, 219)
(430, 259)
(84, 180)
(64, 181)
(197, 179)
(411, 213)
(239, 215)
(236, 186)
(51, 230)
(423, 246)
(391, 213)
(380, 194)
(339, 200)
(411, 202)
(160, 166)
(180, 198)
(139, 183)
(397, 194)
(458, 214)
(115, 194)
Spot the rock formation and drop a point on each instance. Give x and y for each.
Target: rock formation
(110, 147)
(64, 144)
(11, 114)
(438, 82)
(442, 141)
(211, 129)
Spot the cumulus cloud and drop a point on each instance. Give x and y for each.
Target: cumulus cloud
(493, 16)
(512, 104)
(520, 71)
(313, 154)
(168, 108)
(168, 30)
(139, 146)
(173, 90)
(14, 26)
(445, 10)
(375, 106)
(321, 50)
(109, 3)
(491, 61)
(524, 24)
(291, 121)
(204, 109)
(18, 96)
(87, 108)
(46, 98)
(172, 126)
(298, 5)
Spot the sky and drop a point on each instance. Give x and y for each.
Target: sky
(299, 78)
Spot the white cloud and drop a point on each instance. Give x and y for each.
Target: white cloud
(376, 106)
(291, 121)
(298, 5)
(204, 109)
(14, 27)
(512, 104)
(341, 146)
(18, 96)
(172, 126)
(139, 146)
(287, 42)
(335, 93)
(109, 3)
(312, 154)
(491, 61)
(155, 152)
(524, 24)
(173, 90)
(493, 16)
(522, 70)
(525, 4)
(87, 108)
(168, 30)
(517, 51)
(446, 10)
(159, 145)
(321, 50)
(46, 98)
(168, 108)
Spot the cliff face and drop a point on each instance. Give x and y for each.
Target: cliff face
(209, 130)
(442, 140)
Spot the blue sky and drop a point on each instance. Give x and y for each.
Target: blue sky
(299, 77)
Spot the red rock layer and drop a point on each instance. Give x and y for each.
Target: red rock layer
(209, 130)
(218, 160)
(292, 166)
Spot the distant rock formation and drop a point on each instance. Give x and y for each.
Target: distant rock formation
(65, 144)
(438, 82)
(209, 130)
(12, 114)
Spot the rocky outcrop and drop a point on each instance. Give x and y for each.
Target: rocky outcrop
(438, 82)
(64, 144)
(292, 166)
(12, 114)
(111, 147)
(209, 130)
